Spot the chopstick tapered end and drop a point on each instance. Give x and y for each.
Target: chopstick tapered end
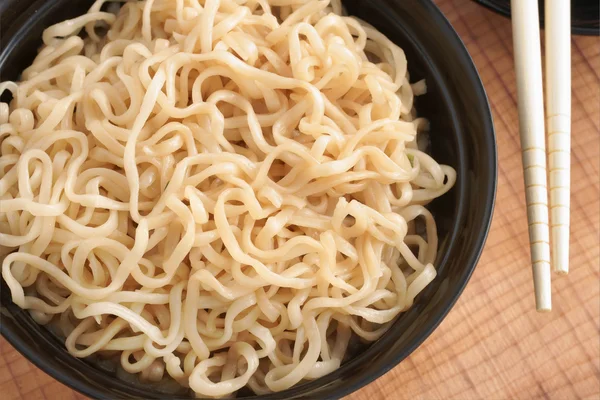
(560, 249)
(542, 286)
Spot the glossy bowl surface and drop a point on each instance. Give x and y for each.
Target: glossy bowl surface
(462, 135)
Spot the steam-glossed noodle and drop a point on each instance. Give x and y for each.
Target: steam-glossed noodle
(223, 192)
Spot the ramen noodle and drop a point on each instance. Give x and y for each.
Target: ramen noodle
(220, 191)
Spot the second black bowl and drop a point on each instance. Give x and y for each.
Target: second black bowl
(462, 136)
(585, 14)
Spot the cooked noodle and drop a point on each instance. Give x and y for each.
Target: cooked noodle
(222, 191)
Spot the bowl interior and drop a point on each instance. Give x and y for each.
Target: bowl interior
(461, 134)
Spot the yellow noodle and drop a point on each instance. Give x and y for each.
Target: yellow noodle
(221, 191)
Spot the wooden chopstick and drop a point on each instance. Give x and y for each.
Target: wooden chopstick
(558, 125)
(528, 67)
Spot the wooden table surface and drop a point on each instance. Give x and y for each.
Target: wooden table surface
(493, 344)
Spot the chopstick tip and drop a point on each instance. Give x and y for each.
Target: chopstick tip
(545, 309)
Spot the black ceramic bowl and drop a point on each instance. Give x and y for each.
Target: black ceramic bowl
(462, 135)
(585, 14)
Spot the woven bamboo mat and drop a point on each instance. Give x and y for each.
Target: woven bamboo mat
(493, 344)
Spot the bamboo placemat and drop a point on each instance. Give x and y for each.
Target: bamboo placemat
(493, 344)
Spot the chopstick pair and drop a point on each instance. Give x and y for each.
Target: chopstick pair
(548, 226)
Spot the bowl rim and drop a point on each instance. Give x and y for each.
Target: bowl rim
(489, 192)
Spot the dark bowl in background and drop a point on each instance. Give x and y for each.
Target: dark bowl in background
(585, 14)
(462, 136)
